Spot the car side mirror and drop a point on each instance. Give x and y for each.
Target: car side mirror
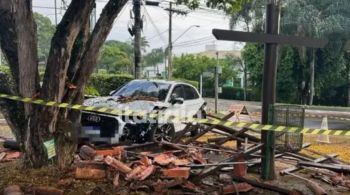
(176, 100)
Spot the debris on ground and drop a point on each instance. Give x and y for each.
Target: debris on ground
(189, 165)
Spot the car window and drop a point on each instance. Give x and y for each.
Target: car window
(178, 92)
(190, 93)
(144, 88)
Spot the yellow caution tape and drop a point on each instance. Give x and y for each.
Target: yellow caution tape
(229, 124)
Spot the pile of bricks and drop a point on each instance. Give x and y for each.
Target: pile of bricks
(167, 171)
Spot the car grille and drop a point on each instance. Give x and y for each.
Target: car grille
(105, 125)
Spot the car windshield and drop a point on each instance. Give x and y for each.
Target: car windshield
(146, 89)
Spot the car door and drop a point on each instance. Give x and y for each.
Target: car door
(175, 109)
(192, 102)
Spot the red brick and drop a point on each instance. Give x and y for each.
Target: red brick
(146, 161)
(116, 151)
(234, 188)
(179, 162)
(164, 158)
(240, 170)
(90, 171)
(87, 153)
(147, 172)
(178, 172)
(120, 166)
(133, 174)
(12, 155)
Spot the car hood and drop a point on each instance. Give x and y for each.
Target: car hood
(113, 102)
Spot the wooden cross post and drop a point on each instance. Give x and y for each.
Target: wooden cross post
(272, 40)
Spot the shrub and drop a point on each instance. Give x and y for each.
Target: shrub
(235, 93)
(4, 69)
(105, 83)
(91, 90)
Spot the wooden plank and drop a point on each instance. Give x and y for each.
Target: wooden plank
(229, 35)
(211, 170)
(319, 160)
(333, 167)
(207, 129)
(263, 185)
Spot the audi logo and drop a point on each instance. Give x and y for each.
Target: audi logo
(94, 118)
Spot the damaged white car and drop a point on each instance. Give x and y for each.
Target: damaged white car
(169, 97)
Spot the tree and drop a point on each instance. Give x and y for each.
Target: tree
(154, 57)
(315, 18)
(71, 60)
(190, 67)
(45, 30)
(115, 57)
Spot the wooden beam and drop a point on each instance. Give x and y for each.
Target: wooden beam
(229, 35)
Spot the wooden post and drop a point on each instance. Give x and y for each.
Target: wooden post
(269, 91)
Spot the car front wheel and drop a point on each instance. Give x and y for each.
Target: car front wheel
(165, 132)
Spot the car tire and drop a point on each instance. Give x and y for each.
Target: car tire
(201, 127)
(164, 132)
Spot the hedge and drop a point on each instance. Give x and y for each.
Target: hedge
(230, 93)
(102, 84)
(4, 69)
(105, 83)
(235, 93)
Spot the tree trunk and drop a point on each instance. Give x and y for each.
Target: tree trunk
(348, 102)
(71, 60)
(244, 80)
(312, 78)
(89, 57)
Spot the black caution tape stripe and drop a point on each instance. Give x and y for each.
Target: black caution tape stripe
(174, 118)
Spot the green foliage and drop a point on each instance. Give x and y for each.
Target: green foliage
(45, 31)
(229, 6)
(90, 90)
(253, 56)
(4, 69)
(115, 57)
(190, 67)
(105, 83)
(236, 93)
(154, 57)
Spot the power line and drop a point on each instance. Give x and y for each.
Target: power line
(208, 38)
(154, 25)
(45, 7)
(195, 44)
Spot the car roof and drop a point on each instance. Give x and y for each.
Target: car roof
(163, 81)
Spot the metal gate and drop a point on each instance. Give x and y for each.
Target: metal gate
(288, 115)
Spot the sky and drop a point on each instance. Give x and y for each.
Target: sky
(156, 25)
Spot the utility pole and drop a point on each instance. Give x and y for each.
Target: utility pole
(170, 44)
(269, 90)
(201, 84)
(0, 56)
(56, 12)
(170, 47)
(216, 83)
(137, 39)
